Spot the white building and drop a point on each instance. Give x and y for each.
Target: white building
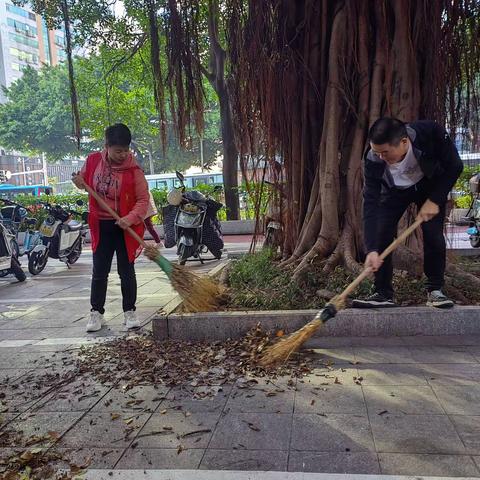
(25, 40)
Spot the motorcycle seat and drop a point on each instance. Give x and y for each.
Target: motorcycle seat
(74, 226)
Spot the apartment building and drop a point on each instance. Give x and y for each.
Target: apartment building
(25, 40)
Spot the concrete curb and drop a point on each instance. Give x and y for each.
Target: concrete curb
(402, 321)
(240, 475)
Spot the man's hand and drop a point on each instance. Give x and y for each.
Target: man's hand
(124, 223)
(373, 261)
(428, 211)
(78, 180)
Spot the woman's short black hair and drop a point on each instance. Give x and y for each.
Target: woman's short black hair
(387, 130)
(118, 135)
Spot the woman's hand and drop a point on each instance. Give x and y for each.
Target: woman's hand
(124, 223)
(78, 180)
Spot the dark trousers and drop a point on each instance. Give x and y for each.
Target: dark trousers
(392, 207)
(112, 240)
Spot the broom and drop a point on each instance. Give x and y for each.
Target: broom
(199, 294)
(281, 351)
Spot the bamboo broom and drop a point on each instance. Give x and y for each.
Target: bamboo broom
(281, 351)
(199, 294)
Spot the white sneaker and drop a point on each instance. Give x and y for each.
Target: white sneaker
(130, 319)
(95, 322)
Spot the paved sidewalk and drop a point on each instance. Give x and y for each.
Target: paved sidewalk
(403, 406)
(394, 406)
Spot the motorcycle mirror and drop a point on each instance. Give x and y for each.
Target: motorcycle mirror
(48, 191)
(179, 176)
(217, 188)
(80, 203)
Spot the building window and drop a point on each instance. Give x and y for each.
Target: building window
(59, 41)
(22, 28)
(23, 40)
(20, 12)
(25, 56)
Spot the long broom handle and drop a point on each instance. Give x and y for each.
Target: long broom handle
(113, 213)
(408, 231)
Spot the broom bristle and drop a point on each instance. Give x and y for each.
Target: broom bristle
(199, 294)
(281, 351)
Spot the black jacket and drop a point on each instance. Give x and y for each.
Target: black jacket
(438, 158)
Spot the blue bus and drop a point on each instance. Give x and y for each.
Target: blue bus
(9, 191)
(168, 181)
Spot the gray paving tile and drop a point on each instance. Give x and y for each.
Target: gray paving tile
(439, 340)
(414, 399)
(334, 462)
(415, 434)
(435, 354)
(460, 400)
(252, 431)
(160, 458)
(343, 375)
(383, 355)
(197, 399)
(81, 395)
(172, 429)
(40, 424)
(453, 374)
(253, 460)
(101, 458)
(330, 399)
(378, 342)
(102, 430)
(477, 462)
(11, 375)
(378, 374)
(331, 433)
(141, 398)
(431, 465)
(261, 397)
(468, 428)
(333, 356)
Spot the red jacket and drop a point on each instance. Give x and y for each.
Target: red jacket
(124, 188)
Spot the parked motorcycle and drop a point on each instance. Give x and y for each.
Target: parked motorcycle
(15, 218)
(9, 263)
(62, 238)
(191, 224)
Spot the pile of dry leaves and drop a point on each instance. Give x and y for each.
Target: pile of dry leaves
(141, 360)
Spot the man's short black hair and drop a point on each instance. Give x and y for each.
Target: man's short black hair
(387, 130)
(118, 135)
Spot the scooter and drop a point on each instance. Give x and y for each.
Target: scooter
(196, 226)
(9, 263)
(473, 215)
(62, 238)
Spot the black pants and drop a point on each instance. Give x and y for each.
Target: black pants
(112, 240)
(392, 207)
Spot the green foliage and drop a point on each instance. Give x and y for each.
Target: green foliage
(466, 199)
(257, 283)
(37, 115)
(37, 211)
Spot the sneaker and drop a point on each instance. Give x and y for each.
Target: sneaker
(95, 322)
(377, 300)
(130, 319)
(437, 299)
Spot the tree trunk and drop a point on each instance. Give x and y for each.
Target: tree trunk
(314, 76)
(216, 77)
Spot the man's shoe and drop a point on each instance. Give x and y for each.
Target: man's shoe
(437, 299)
(95, 322)
(130, 319)
(377, 300)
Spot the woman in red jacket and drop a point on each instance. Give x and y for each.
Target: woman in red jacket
(115, 175)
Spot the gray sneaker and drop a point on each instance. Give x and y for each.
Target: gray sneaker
(437, 299)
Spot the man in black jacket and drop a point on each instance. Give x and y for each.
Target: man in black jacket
(407, 163)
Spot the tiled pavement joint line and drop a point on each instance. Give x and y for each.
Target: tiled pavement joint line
(370, 425)
(241, 475)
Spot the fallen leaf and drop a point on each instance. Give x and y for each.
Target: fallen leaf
(114, 416)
